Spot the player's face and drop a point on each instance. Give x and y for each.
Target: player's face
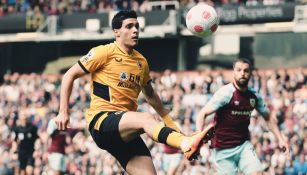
(242, 74)
(128, 34)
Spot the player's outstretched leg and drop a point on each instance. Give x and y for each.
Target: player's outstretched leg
(190, 145)
(135, 123)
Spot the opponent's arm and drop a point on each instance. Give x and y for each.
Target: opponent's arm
(271, 121)
(154, 100)
(68, 79)
(202, 115)
(272, 125)
(219, 99)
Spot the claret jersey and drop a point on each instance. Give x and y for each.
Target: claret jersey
(232, 116)
(117, 78)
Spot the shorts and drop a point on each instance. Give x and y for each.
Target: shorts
(243, 158)
(109, 139)
(57, 162)
(25, 159)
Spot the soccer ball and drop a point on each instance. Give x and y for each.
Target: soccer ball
(202, 20)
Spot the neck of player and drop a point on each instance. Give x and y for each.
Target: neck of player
(127, 49)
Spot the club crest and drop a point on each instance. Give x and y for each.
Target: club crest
(123, 76)
(252, 101)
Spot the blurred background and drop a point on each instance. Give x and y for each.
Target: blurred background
(41, 39)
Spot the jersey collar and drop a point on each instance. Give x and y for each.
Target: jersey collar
(122, 50)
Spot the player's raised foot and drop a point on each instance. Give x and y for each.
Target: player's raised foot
(192, 144)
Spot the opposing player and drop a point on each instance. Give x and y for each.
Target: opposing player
(119, 73)
(56, 150)
(233, 105)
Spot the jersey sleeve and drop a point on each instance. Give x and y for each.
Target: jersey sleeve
(221, 98)
(260, 106)
(51, 127)
(94, 59)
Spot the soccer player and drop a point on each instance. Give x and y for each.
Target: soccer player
(56, 157)
(119, 73)
(233, 105)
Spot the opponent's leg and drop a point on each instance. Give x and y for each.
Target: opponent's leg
(249, 162)
(224, 162)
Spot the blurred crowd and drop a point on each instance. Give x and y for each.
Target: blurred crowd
(55, 7)
(35, 98)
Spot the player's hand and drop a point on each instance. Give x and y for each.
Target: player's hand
(62, 121)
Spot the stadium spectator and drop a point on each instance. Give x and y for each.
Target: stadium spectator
(300, 164)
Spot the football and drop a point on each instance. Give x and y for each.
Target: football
(202, 20)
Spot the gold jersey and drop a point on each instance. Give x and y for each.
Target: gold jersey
(117, 78)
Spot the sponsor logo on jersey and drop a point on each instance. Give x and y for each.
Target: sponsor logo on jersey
(248, 113)
(127, 80)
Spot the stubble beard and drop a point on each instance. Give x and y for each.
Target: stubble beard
(242, 84)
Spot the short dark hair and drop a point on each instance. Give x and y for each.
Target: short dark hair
(118, 19)
(242, 60)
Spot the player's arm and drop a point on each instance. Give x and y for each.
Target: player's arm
(219, 99)
(271, 123)
(202, 115)
(66, 87)
(154, 100)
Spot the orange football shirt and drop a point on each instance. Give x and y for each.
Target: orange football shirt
(117, 78)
